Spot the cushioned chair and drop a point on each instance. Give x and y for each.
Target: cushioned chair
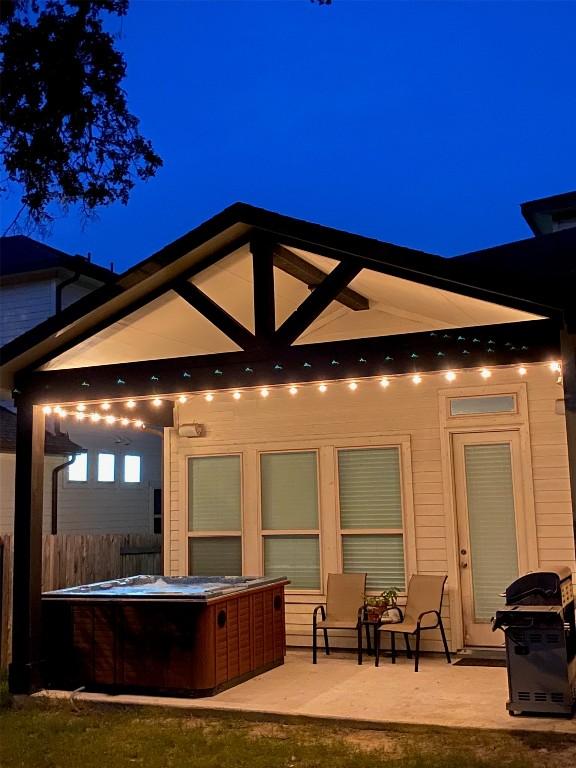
(423, 607)
(343, 610)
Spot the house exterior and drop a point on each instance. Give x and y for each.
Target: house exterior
(38, 282)
(329, 402)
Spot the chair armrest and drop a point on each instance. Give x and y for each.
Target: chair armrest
(425, 613)
(322, 610)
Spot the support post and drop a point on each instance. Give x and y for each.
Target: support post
(264, 301)
(568, 349)
(25, 673)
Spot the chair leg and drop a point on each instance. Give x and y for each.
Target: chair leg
(446, 651)
(393, 646)
(359, 633)
(377, 648)
(408, 649)
(314, 641)
(417, 652)
(326, 646)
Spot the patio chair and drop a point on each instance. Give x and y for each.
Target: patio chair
(422, 611)
(344, 606)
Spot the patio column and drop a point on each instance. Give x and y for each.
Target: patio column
(568, 349)
(24, 674)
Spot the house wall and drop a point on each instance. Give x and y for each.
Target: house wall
(7, 474)
(24, 305)
(371, 415)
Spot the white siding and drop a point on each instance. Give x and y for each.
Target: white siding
(7, 475)
(401, 410)
(23, 306)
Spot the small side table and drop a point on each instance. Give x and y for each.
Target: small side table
(391, 616)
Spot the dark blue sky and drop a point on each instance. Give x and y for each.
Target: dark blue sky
(420, 123)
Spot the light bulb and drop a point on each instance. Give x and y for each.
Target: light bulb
(353, 386)
(80, 407)
(182, 399)
(80, 416)
(95, 417)
(384, 382)
(58, 410)
(138, 423)
(522, 371)
(110, 419)
(105, 406)
(322, 388)
(293, 390)
(156, 402)
(237, 395)
(264, 392)
(124, 422)
(417, 379)
(62, 413)
(555, 367)
(450, 376)
(47, 410)
(209, 397)
(485, 373)
(131, 404)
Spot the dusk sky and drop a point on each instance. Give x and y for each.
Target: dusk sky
(420, 123)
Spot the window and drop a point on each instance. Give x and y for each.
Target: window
(214, 516)
(475, 406)
(106, 467)
(290, 529)
(132, 469)
(371, 519)
(78, 470)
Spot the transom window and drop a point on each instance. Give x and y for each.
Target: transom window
(371, 518)
(106, 467)
(78, 470)
(289, 509)
(214, 516)
(477, 406)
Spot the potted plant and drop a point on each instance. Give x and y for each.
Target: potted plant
(376, 605)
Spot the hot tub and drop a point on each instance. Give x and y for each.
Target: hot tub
(188, 635)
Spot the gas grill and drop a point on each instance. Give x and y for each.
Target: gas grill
(538, 624)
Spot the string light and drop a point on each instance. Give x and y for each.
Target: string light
(322, 388)
(522, 371)
(450, 376)
(384, 382)
(156, 402)
(124, 421)
(131, 404)
(264, 392)
(138, 423)
(47, 410)
(58, 410)
(110, 419)
(95, 417)
(80, 407)
(237, 395)
(417, 379)
(555, 367)
(105, 406)
(353, 386)
(293, 390)
(182, 399)
(209, 397)
(485, 373)
(80, 416)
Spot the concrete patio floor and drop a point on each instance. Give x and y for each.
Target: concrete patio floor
(338, 689)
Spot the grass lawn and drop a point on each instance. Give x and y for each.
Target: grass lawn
(48, 735)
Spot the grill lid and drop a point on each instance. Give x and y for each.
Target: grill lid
(541, 587)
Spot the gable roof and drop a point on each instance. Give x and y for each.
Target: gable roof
(235, 226)
(542, 214)
(54, 445)
(21, 255)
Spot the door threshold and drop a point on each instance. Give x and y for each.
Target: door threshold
(482, 652)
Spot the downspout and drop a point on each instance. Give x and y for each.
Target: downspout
(55, 472)
(60, 287)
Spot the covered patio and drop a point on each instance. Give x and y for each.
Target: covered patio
(254, 311)
(337, 690)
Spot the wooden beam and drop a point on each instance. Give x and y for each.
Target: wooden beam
(215, 314)
(316, 303)
(292, 264)
(459, 348)
(264, 300)
(568, 350)
(25, 673)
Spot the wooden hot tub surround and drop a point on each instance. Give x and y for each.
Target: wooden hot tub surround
(163, 643)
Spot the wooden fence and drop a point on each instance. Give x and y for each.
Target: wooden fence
(69, 560)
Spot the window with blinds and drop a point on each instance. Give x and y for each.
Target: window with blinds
(289, 507)
(371, 516)
(214, 516)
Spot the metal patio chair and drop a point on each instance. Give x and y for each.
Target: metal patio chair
(343, 610)
(422, 612)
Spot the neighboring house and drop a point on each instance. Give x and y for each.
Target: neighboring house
(57, 448)
(38, 282)
(333, 402)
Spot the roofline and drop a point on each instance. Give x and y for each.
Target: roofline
(545, 205)
(235, 223)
